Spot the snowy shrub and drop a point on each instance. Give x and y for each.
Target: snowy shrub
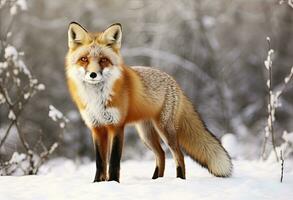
(287, 146)
(25, 163)
(273, 102)
(57, 116)
(285, 150)
(17, 88)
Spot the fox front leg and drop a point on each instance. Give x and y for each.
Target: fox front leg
(100, 139)
(117, 138)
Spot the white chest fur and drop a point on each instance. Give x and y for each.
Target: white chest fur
(96, 113)
(95, 97)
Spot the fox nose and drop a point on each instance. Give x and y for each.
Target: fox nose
(93, 74)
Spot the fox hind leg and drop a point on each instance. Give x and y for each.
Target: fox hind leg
(151, 139)
(169, 135)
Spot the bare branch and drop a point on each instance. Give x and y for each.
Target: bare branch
(282, 166)
(269, 129)
(7, 133)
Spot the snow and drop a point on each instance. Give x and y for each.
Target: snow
(208, 21)
(17, 157)
(18, 4)
(15, 71)
(55, 114)
(62, 125)
(268, 83)
(26, 95)
(41, 87)
(17, 163)
(9, 34)
(13, 10)
(64, 179)
(288, 137)
(11, 115)
(10, 52)
(34, 81)
(2, 99)
(22, 67)
(53, 147)
(288, 78)
(22, 4)
(230, 143)
(268, 62)
(3, 65)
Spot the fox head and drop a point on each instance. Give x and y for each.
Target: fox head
(94, 57)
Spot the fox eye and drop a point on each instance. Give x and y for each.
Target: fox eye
(104, 62)
(84, 59)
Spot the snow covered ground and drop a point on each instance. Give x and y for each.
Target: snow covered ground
(64, 179)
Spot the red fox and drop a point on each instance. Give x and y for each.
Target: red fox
(110, 95)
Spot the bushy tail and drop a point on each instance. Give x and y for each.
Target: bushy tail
(200, 144)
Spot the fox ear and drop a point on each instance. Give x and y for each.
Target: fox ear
(113, 35)
(76, 34)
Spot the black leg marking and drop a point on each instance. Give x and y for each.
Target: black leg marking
(116, 152)
(180, 173)
(99, 165)
(156, 173)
